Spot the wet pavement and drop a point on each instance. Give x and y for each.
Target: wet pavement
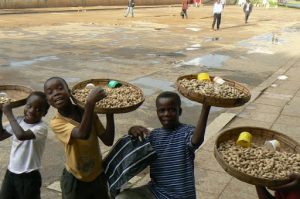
(151, 51)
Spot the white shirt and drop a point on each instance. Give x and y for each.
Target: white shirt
(218, 8)
(25, 156)
(247, 6)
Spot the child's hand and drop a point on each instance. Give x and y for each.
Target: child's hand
(96, 94)
(291, 186)
(7, 109)
(138, 131)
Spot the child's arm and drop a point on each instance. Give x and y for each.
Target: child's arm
(198, 136)
(85, 127)
(263, 193)
(3, 133)
(109, 135)
(17, 129)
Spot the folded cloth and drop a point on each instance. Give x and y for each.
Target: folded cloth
(128, 157)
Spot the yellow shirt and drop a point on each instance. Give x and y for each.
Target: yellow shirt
(83, 157)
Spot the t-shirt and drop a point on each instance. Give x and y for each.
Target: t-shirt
(172, 173)
(218, 8)
(26, 155)
(83, 157)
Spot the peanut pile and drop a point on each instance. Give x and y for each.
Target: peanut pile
(4, 100)
(260, 162)
(120, 97)
(212, 89)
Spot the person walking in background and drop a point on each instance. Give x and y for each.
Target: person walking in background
(217, 10)
(223, 3)
(130, 7)
(247, 10)
(185, 5)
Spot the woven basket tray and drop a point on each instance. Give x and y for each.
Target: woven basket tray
(103, 83)
(260, 135)
(17, 92)
(211, 100)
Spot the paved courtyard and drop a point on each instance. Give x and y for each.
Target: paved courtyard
(151, 51)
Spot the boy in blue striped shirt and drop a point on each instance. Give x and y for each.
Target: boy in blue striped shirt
(172, 173)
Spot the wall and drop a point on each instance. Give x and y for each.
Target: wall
(4, 4)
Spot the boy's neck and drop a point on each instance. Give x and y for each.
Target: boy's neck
(173, 127)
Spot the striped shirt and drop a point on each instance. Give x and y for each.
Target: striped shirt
(172, 173)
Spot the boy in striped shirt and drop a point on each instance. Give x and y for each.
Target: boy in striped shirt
(172, 173)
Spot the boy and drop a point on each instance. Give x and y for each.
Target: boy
(185, 6)
(130, 7)
(172, 173)
(217, 10)
(23, 179)
(247, 10)
(79, 129)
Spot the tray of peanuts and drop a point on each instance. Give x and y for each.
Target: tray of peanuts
(213, 91)
(15, 94)
(122, 97)
(258, 156)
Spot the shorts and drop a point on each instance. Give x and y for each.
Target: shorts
(142, 192)
(72, 188)
(21, 186)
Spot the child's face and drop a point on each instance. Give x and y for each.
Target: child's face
(34, 109)
(168, 112)
(57, 93)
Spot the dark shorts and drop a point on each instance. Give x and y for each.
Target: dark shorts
(72, 188)
(21, 186)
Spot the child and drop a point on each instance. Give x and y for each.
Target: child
(172, 173)
(23, 179)
(130, 7)
(217, 10)
(79, 129)
(185, 6)
(288, 191)
(247, 10)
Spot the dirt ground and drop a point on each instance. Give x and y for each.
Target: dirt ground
(150, 50)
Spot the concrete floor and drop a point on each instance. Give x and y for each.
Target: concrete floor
(150, 50)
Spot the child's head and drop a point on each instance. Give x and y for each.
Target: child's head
(168, 108)
(57, 92)
(36, 107)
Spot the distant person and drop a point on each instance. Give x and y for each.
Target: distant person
(223, 3)
(79, 130)
(287, 191)
(265, 3)
(22, 179)
(217, 11)
(241, 3)
(247, 10)
(185, 6)
(130, 7)
(172, 173)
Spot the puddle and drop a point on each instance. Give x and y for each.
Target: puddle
(194, 29)
(151, 86)
(260, 50)
(212, 39)
(196, 45)
(33, 61)
(191, 49)
(262, 40)
(282, 77)
(209, 61)
(292, 29)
